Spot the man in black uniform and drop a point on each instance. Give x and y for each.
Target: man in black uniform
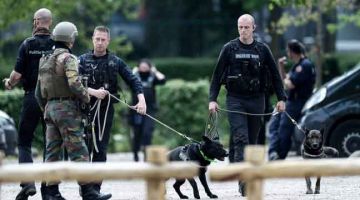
(102, 67)
(26, 71)
(241, 66)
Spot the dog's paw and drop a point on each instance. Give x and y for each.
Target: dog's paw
(184, 197)
(309, 192)
(213, 196)
(317, 192)
(196, 196)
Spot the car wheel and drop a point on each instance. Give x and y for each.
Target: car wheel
(346, 137)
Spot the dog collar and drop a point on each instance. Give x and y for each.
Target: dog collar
(206, 158)
(314, 156)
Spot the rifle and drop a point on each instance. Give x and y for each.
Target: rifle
(86, 119)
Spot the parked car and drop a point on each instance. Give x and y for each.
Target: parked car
(335, 109)
(8, 134)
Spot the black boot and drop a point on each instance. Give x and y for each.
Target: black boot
(136, 157)
(43, 190)
(242, 188)
(89, 193)
(26, 191)
(52, 193)
(97, 187)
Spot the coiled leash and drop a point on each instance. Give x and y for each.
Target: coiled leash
(156, 120)
(211, 126)
(97, 116)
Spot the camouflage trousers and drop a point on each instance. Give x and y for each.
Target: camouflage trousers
(64, 130)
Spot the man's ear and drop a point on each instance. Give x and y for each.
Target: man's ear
(254, 27)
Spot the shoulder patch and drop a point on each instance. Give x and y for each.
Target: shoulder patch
(298, 69)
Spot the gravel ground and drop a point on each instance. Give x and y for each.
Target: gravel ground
(332, 188)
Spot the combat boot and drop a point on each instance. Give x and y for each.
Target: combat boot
(52, 193)
(97, 187)
(89, 193)
(26, 191)
(242, 188)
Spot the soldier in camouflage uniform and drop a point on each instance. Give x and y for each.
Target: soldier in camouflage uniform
(58, 91)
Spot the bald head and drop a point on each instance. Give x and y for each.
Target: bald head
(246, 27)
(43, 13)
(246, 18)
(42, 18)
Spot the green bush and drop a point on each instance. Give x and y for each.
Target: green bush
(11, 101)
(347, 60)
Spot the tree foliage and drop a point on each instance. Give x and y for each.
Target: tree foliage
(16, 21)
(311, 10)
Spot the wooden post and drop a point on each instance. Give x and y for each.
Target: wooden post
(156, 187)
(255, 154)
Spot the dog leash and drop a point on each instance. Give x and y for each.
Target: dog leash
(156, 120)
(265, 114)
(294, 122)
(211, 126)
(101, 131)
(246, 113)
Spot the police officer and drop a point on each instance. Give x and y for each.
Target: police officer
(58, 91)
(299, 83)
(26, 72)
(241, 67)
(102, 68)
(143, 126)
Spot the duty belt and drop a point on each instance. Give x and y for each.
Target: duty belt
(62, 98)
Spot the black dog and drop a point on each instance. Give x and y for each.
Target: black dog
(313, 148)
(203, 153)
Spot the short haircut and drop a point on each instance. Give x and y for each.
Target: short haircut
(296, 47)
(102, 29)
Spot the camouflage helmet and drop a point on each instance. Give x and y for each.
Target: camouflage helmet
(64, 32)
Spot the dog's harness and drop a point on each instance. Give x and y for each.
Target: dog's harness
(184, 154)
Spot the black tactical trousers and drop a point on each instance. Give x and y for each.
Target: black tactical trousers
(143, 131)
(244, 129)
(30, 116)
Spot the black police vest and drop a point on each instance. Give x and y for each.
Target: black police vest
(244, 73)
(35, 48)
(101, 72)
